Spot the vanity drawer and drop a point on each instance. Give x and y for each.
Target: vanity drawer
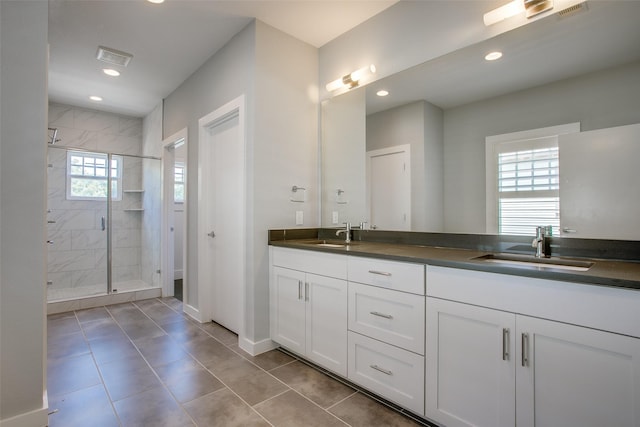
(390, 316)
(310, 261)
(400, 276)
(389, 371)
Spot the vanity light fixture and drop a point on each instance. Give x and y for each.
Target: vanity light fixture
(95, 98)
(352, 79)
(515, 7)
(382, 92)
(111, 72)
(492, 56)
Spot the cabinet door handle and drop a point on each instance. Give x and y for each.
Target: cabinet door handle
(525, 349)
(381, 273)
(379, 369)
(299, 289)
(306, 291)
(505, 344)
(386, 316)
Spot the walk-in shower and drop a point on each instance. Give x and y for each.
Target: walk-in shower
(102, 239)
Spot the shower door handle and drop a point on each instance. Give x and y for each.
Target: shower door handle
(103, 223)
(212, 234)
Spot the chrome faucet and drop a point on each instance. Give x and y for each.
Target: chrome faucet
(540, 241)
(346, 231)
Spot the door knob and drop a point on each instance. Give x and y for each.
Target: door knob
(212, 234)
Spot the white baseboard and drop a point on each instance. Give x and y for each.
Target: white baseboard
(36, 418)
(192, 312)
(255, 348)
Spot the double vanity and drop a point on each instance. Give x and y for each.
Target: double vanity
(463, 336)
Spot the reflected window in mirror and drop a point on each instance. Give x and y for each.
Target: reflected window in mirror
(523, 180)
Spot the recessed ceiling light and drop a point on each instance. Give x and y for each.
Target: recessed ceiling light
(111, 72)
(492, 56)
(382, 93)
(156, 1)
(95, 98)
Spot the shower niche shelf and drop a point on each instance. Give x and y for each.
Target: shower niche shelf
(134, 191)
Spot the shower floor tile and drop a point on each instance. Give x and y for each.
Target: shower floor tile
(143, 363)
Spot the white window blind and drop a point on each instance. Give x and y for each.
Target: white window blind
(528, 186)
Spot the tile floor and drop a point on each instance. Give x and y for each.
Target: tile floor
(146, 364)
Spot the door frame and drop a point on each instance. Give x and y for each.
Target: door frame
(234, 108)
(167, 235)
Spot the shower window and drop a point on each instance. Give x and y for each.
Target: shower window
(87, 176)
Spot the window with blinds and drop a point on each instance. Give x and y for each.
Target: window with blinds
(528, 186)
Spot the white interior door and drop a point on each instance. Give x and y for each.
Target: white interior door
(389, 188)
(221, 257)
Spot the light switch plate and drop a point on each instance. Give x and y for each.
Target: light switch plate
(334, 217)
(299, 218)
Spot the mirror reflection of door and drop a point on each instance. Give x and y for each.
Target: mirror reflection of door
(389, 188)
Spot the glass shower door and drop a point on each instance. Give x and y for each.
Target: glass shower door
(77, 222)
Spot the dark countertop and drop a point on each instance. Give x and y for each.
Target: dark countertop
(613, 273)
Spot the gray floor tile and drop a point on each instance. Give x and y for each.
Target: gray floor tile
(71, 374)
(102, 328)
(362, 411)
(154, 407)
(267, 361)
(86, 407)
(292, 410)
(67, 345)
(160, 350)
(223, 409)
(188, 380)
(62, 326)
(323, 390)
(92, 314)
(127, 377)
(106, 350)
(220, 333)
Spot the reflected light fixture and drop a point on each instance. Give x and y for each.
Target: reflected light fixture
(156, 1)
(111, 72)
(352, 79)
(382, 92)
(95, 98)
(515, 7)
(492, 56)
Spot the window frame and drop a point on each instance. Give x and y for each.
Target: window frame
(86, 154)
(514, 141)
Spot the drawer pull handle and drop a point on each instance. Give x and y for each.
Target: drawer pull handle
(379, 369)
(386, 316)
(381, 273)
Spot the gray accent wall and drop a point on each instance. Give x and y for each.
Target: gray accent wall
(278, 76)
(597, 100)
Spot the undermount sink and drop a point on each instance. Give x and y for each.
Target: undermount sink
(531, 261)
(327, 244)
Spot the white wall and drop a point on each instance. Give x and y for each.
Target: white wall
(278, 76)
(23, 123)
(597, 100)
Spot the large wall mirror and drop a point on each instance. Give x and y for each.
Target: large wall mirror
(421, 158)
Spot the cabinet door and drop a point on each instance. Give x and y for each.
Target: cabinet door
(327, 322)
(470, 372)
(573, 376)
(288, 309)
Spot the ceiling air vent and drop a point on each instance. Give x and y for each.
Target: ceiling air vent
(113, 56)
(572, 10)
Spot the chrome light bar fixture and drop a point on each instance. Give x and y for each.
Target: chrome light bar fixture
(529, 7)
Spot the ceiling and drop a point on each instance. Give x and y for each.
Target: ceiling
(603, 35)
(170, 41)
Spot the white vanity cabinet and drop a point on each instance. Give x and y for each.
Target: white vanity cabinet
(506, 350)
(386, 329)
(308, 305)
